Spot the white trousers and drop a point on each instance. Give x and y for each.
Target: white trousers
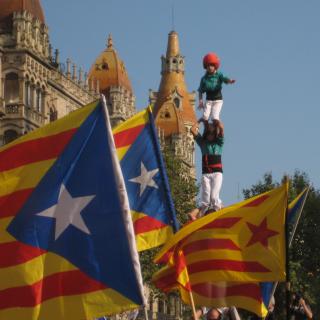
(211, 185)
(212, 110)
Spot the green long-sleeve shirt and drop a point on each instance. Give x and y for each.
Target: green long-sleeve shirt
(211, 84)
(211, 148)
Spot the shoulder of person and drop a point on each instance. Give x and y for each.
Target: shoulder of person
(220, 74)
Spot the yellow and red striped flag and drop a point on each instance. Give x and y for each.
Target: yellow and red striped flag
(228, 252)
(67, 248)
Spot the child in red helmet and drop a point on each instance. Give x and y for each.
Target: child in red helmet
(211, 84)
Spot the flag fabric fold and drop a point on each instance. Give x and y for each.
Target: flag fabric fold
(243, 242)
(65, 224)
(294, 212)
(227, 249)
(146, 181)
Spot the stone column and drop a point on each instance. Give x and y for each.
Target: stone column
(21, 91)
(57, 57)
(68, 68)
(74, 72)
(80, 80)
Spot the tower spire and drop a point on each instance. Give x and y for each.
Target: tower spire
(173, 45)
(110, 42)
(172, 16)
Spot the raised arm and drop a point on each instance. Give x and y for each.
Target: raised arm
(306, 309)
(195, 129)
(227, 80)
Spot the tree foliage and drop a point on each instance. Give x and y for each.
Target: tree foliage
(304, 262)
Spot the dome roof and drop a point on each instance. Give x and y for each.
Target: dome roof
(7, 7)
(109, 70)
(169, 120)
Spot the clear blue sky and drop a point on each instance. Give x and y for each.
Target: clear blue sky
(272, 49)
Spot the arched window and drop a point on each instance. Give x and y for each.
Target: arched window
(176, 102)
(32, 95)
(11, 88)
(38, 99)
(53, 114)
(9, 135)
(161, 306)
(27, 93)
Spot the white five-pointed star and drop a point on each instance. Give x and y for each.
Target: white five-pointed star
(145, 179)
(67, 211)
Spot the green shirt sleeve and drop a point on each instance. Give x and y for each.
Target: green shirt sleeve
(223, 78)
(201, 87)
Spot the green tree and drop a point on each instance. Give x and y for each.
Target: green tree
(183, 187)
(304, 262)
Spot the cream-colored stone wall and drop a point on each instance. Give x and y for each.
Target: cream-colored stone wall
(26, 53)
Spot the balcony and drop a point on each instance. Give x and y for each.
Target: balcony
(20, 111)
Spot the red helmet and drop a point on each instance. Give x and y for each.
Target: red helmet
(211, 58)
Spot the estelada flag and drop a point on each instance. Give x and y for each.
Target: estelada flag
(146, 180)
(67, 248)
(241, 243)
(226, 249)
(254, 297)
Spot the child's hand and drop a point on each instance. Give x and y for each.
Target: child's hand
(200, 106)
(231, 81)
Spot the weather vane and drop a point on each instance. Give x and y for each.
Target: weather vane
(172, 15)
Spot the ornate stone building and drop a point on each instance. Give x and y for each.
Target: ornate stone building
(174, 106)
(110, 73)
(34, 87)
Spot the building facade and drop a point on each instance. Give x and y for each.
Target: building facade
(35, 88)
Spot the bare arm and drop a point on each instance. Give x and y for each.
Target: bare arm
(195, 129)
(306, 309)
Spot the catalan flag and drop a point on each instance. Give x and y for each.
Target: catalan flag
(146, 181)
(227, 249)
(242, 242)
(252, 296)
(67, 247)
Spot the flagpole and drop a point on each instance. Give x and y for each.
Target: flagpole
(287, 256)
(126, 213)
(192, 305)
(145, 312)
